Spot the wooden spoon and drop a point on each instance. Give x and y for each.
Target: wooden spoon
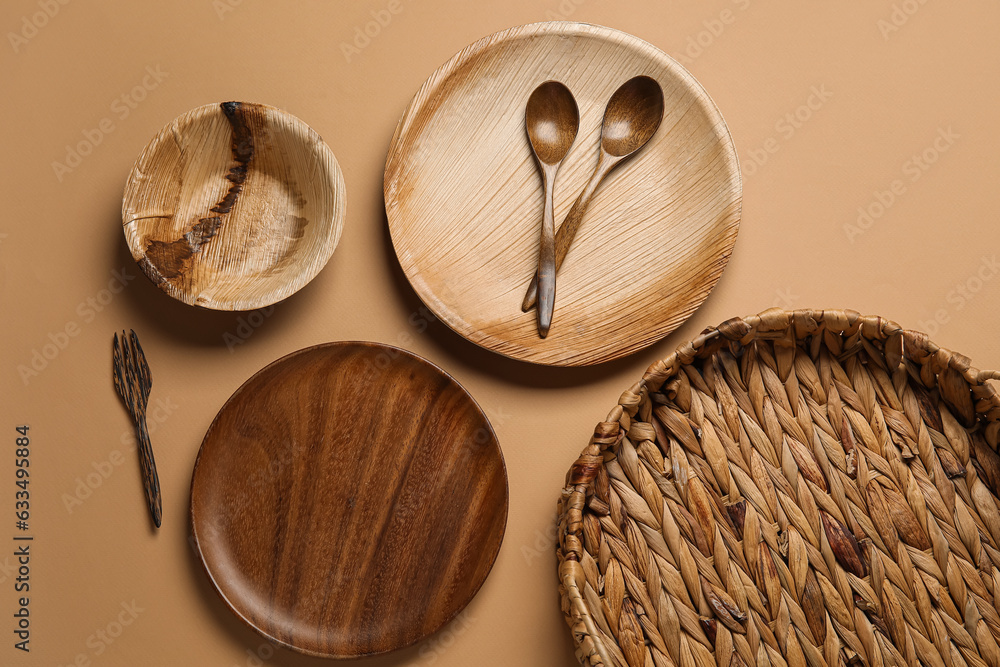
(631, 119)
(552, 119)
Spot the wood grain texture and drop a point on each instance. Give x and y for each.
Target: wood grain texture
(349, 499)
(234, 206)
(463, 197)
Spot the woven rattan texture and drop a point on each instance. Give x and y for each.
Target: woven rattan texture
(802, 488)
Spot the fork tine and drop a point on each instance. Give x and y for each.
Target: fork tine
(125, 356)
(145, 376)
(130, 363)
(116, 356)
(141, 369)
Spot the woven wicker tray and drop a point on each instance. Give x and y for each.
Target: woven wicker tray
(802, 488)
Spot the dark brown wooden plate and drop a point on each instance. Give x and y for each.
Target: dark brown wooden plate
(349, 499)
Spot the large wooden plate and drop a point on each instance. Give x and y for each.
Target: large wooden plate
(234, 206)
(349, 499)
(464, 198)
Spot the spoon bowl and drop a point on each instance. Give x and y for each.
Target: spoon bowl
(632, 116)
(552, 120)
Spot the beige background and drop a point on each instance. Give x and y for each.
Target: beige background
(880, 96)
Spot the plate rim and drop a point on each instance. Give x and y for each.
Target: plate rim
(425, 92)
(501, 533)
(338, 217)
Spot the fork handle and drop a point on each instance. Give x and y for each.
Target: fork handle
(150, 480)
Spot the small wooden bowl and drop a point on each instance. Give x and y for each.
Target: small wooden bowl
(234, 206)
(349, 499)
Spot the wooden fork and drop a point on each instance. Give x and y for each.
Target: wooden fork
(133, 382)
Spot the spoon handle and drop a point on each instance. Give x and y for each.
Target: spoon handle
(546, 275)
(567, 230)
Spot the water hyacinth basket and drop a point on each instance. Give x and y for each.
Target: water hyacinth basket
(802, 488)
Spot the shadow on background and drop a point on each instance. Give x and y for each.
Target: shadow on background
(258, 650)
(513, 371)
(154, 309)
